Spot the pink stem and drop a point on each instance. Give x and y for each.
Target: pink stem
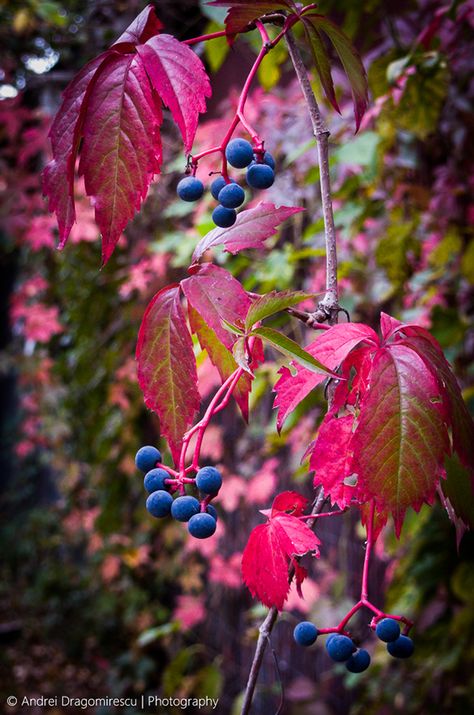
(173, 472)
(204, 38)
(370, 540)
(325, 513)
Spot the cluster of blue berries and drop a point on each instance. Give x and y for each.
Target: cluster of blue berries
(160, 502)
(240, 154)
(342, 649)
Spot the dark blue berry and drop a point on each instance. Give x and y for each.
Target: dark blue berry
(260, 176)
(183, 508)
(305, 633)
(358, 662)
(219, 184)
(269, 160)
(224, 217)
(401, 648)
(208, 480)
(231, 196)
(155, 480)
(339, 648)
(201, 525)
(387, 630)
(239, 153)
(146, 458)
(190, 189)
(159, 503)
(212, 511)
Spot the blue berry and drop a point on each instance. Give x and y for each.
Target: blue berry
(339, 648)
(260, 176)
(358, 662)
(239, 153)
(212, 511)
(269, 160)
(208, 480)
(387, 630)
(146, 458)
(159, 503)
(401, 648)
(183, 508)
(231, 196)
(224, 218)
(155, 480)
(201, 525)
(219, 184)
(190, 189)
(305, 633)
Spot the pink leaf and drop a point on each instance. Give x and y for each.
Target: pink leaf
(178, 76)
(289, 503)
(401, 440)
(145, 25)
(330, 348)
(251, 229)
(331, 459)
(270, 550)
(121, 146)
(167, 366)
(65, 134)
(217, 296)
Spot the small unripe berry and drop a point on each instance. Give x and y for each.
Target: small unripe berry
(209, 480)
(231, 196)
(159, 503)
(147, 457)
(239, 153)
(190, 189)
(201, 525)
(339, 648)
(387, 630)
(155, 480)
(403, 647)
(224, 218)
(218, 184)
(183, 508)
(305, 633)
(358, 662)
(260, 176)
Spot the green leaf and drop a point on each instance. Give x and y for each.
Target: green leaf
(216, 50)
(272, 303)
(288, 347)
(349, 57)
(321, 60)
(231, 327)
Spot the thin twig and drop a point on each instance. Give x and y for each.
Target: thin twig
(329, 304)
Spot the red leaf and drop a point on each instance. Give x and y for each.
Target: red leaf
(332, 457)
(290, 503)
(401, 440)
(270, 550)
(243, 12)
(221, 358)
(330, 348)
(65, 134)
(167, 366)
(217, 296)
(179, 77)
(145, 25)
(121, 146)
(250, 230)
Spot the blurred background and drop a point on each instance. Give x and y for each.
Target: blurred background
(96, 597)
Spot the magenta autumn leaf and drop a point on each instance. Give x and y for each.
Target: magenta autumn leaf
(331, 347)
(331, 459)
(178, 76)
(121, 147)
(250, 230)
(167, 366)
(272, 547)
(217, 296)
(112, 109)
